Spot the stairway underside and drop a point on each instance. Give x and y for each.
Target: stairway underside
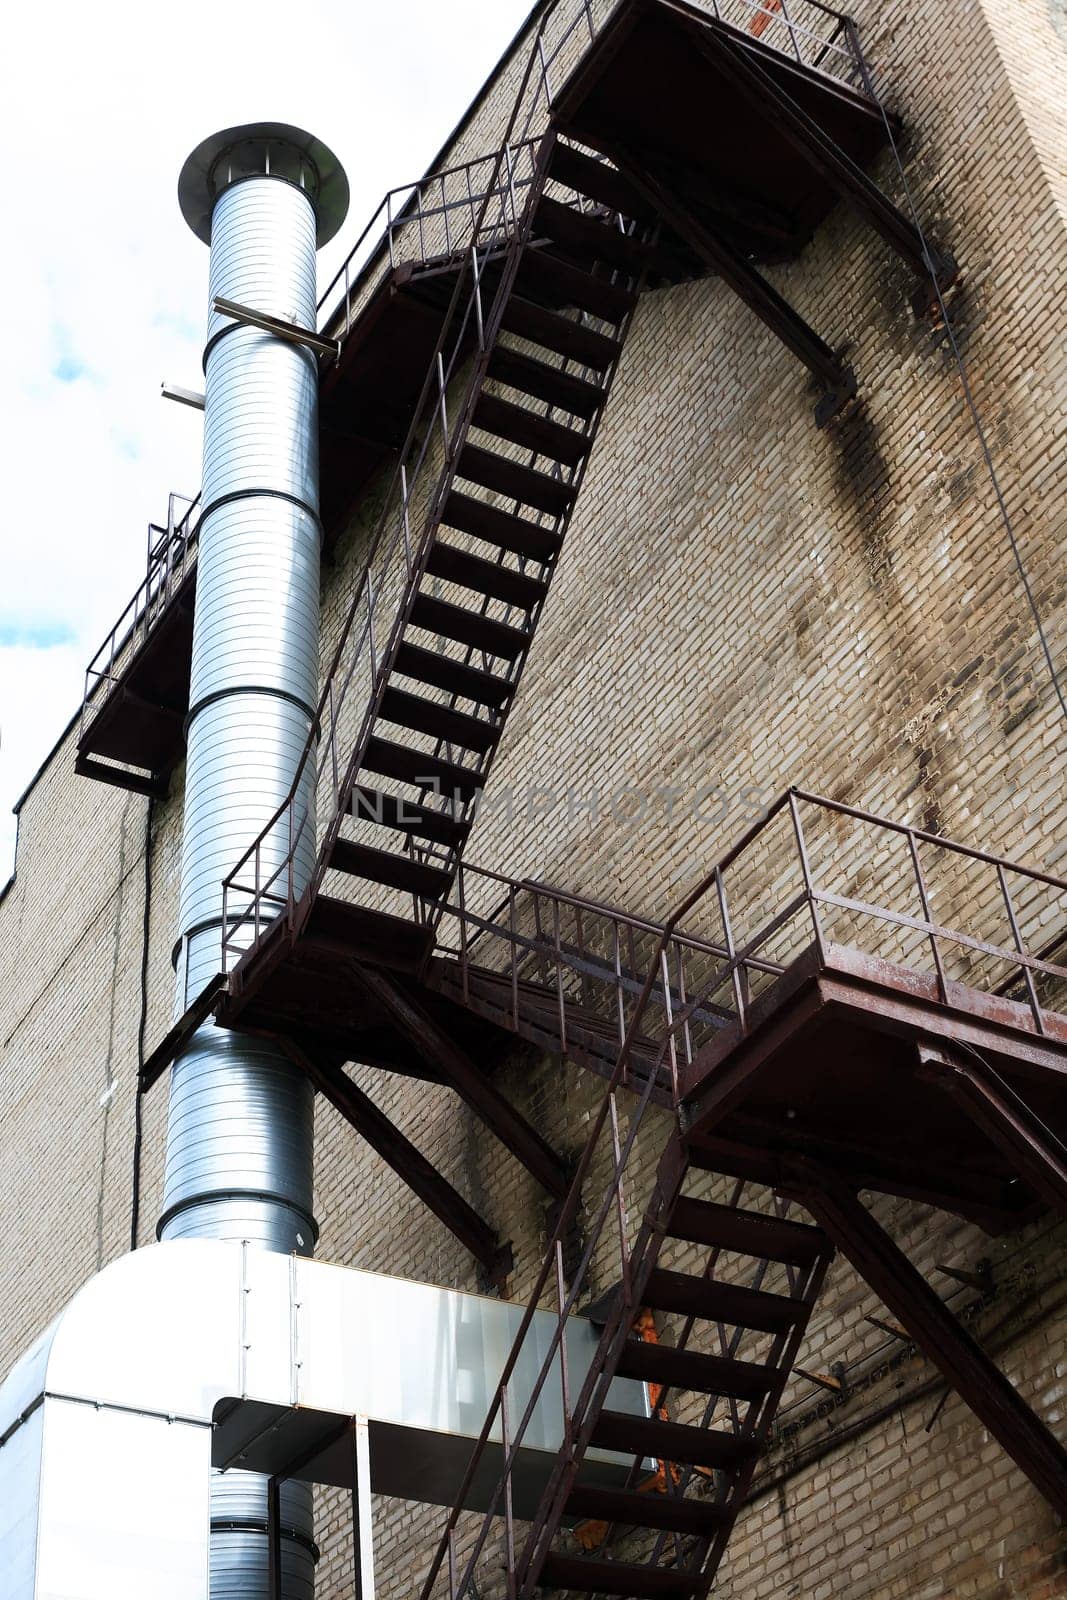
(659, 80)
(829, 1068)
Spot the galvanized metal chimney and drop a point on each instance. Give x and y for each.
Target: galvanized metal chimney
(239, 1140)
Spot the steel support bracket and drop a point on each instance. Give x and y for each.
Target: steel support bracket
(408, 1162)
(184, 397)
(1000, 1112)
(837, 380)
(777, 107)
(460, 1072)
(929, 1322)
(928, 296)
(291, 332)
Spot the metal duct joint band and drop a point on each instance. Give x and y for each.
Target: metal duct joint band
(249, 688)
(250, 1525)
(220, 1195)
(246, 494)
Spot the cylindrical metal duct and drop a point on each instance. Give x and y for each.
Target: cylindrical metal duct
(239, 1135)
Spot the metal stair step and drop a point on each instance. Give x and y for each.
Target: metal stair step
(692, 1369)
(615, 1577)
(485, 577)
(562, 334)
(406, 816)
(440, 721)
(395, 872)
(544, 273)
(456, 677)
(511, 478)
(722, 1302)
(594, 238)
(597, 181)
(391, 760)
(544, 382)
(531, 429)
(522, 537)
(467, 627)
(647, 1510)
(799, 1244)
(677, 1442)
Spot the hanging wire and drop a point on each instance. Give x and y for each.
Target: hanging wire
(965, 381)
(142, 1029)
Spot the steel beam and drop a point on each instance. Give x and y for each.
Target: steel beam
(456, 1068)
(778, 108)
(397, 1151)
(838, 379)
(936, 1331)
(1034, 1149)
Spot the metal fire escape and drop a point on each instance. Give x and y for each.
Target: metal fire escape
(791, 1050)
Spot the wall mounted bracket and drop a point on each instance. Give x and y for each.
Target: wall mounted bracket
(291, 332)
(778, 107)
(837, 379)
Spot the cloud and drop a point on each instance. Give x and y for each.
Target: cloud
(68, 369)
(106, 292)
(35, 635)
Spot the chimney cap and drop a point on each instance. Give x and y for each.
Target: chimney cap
(262, 147)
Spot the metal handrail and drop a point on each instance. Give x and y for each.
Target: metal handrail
(168, 564)
(936, 934)
(406, 208)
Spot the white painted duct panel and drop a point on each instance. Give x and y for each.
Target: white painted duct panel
(109, 1533)
(136, 1373)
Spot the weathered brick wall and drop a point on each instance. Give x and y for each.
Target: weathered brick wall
(743, 602)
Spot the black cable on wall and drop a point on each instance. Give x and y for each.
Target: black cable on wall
(142, 1029)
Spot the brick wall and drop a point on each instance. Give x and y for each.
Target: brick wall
(743, 602)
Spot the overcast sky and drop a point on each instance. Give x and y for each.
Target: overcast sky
(104, 289)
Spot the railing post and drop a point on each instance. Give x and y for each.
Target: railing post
(405, 523)
(805, 867)
(728, 939)
(561, 1000)
(564, 1374)
(225, 960)
(290, 871)
(464, 952)
(924, 901)
(1031, 988)
(255, 892)
(672, 1043)
(620, 1202)
(509, 1508)
(620, 994)
(792, 31)
(514, 961)
(442, 398)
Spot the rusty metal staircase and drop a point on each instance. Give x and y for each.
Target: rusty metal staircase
(524, 431)
(732, 1282)
(679, 1527)
(437, 642)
